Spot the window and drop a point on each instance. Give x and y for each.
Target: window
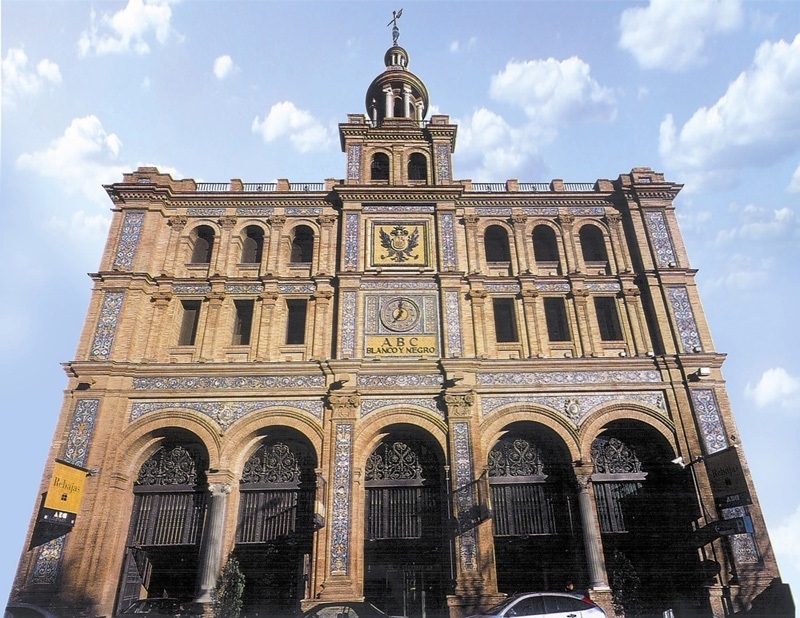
(302, 245)
(417, 167)
(555, 314)
(545, 247)
(296, 321)
(243, 322)
(252, 245)
(379, 170)
(203, 245)
(191, 315)
(495, 242)
(593, 245)
(505, 320)
(607, 318)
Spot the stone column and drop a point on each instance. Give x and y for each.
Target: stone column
(636, 319)
(276, 223)
(223, 247)
(387, 91)
(473, 260)
(407, 101)
(618, 245)
(519, 222)
(573, 261)
(320, 339)
(177, 223)
(530, 299)
(154, 350)
(266, 332)
(478, 298)
(580, 298)
(326, 223)
(208, 347)
(592, 542)
(213, 536)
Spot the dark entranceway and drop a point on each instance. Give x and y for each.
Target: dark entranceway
(406, 558)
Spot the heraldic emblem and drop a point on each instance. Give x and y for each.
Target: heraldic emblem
(399, 244)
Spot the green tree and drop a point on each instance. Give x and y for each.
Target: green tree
(227, 594)
(625, 586)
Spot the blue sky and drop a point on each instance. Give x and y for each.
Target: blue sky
(707, 92)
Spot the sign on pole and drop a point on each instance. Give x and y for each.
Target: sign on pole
(728, 483)
(63, 499)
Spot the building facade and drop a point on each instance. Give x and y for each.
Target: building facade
(398, 386)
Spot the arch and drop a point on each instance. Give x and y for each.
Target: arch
(418, 167)
(545, 244)
(496, 245)
(252, 244)
(302, 245)
(593, 244)
(202, 244)
(379, 166)
(372, 429)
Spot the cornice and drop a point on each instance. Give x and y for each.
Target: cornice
(364, 193)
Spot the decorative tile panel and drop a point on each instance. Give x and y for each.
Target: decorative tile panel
(396, 286)
(192, 288)
(351, 240)
(743, 545)
(244, 288)
(493, 211)
(464, 497)
(587, 210)
(447, 229)
(574, 407)
(404, 381)
(603, 287)
(48, 561)
(684, 317)
(431, 313)
(707, 413)
(502, 288)
(443, 161)
(107, 325)
(205, 212)
(540, 378)
(340, 515)
(659, 235)
(397, 208)
(348, 323)
(226, 413)
(371, 405)
(189, 383)
(128, 240)
(452, 309)
(552, 287)
(541, 212)
(255, 212)
(300, 288)
(354, 162)
(81, 431)
(304, 212)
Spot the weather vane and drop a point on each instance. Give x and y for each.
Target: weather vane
(395, 30)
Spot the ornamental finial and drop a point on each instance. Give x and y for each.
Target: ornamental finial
(395, 30)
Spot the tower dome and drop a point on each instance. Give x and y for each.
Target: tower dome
(396, 93)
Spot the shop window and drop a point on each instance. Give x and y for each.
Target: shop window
(417, 167)
(593, 244)
(296, 321)
(495, 241)
(555, 314)
(203, 245)
(379, 169)
(505, 320)
(243, 322)
(302, 245)
(189, 321)
(608, 318)
(252, 245)
(545, 247)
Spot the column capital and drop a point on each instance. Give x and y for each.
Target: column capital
(177, 221)
(227, 221)
(471, 220)
(161, 299)
(459, 404)
(276, 220)
(219, 489)
(566, 219)
(519, 219)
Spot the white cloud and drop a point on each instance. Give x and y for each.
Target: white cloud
(456, 46)
(81, 160)
(19, 82)
(305, 132)
(755, 122)
(776, 388)
(786, 539)
(127, 30)
(554, 92)
(224, 66)
(87, 230)
(743, 273)
(794, 183)
(671, 35)
(760, 224)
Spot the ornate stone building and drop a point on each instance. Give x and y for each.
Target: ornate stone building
(422, 391)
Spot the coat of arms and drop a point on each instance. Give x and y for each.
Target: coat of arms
(399, 244)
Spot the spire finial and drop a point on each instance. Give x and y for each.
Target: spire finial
(395, 30)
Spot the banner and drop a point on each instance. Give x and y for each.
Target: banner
(726, 476)
(63, 499)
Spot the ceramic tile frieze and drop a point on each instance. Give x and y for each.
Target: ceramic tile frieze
(340, 515)
(452, 309)
(684, 317)
(536, 378)
(205, 212)
(708, 415)
(464, 496)
(447, 228)
(128, 240)
(552, 287)
(298, 288)
(502, 288)
(541, 212)
(304, 212)
(162, 383)
(255, 212)
(395, 285)
(574, 407)
(397, 208)
(191, 288)
(226, 413)
(400, 380)
(369, 406)
(348, 323)
(244, 288)
(107, 325)
(351, 234)
(443, 161)
(354, 162)
(603, 287)
(659, 235)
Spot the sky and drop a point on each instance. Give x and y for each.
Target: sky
(707, 92)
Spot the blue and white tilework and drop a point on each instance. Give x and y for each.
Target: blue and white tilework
(107, 325)
(226, 413)
(684, 317)
(340, 515)
(128, 240)
(659, 235)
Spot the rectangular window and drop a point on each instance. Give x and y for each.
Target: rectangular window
(243, 322)
(191, 315)
(555, 314)
(608, 318)
(296, 321)
(505, 320)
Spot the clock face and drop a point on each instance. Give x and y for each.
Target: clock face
(400, 314)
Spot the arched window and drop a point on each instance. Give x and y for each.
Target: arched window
(252, 245)
(203, 245)
(619, 468)
(593, 245)
(379, 169)
(302, 245)
(545, 247)
(495, 241)
(417, 167)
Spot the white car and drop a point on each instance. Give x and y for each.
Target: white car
(544, 605)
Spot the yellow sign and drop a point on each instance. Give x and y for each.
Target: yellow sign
(399, 244)
(63, 500)
(417, 345)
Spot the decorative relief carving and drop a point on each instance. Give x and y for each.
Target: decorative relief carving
(519, 220)
(708, 415)
(226, 413)
(128, 240)
(277, 220)
(402, 380)
(177, 221)
(340, 516)
(344, 405)
(573, 407)
(612, 456)
(471, 220)
(684, 317)
(107, 325)
(163, 383)
(175, 466)
(459, 404)
(536, 378)
(227, 221)
(368, 406)
(659, 235)
(452, 309)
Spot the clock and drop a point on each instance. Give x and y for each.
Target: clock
(400, 314)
